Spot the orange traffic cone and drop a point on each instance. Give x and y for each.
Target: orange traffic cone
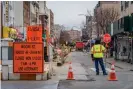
(70, 75)
(112, 74)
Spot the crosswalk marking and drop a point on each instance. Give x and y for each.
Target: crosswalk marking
(107, 69)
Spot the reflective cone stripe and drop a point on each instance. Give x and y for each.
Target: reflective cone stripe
(112, 67)
(70, 69)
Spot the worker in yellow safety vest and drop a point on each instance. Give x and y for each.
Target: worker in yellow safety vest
(97, 54)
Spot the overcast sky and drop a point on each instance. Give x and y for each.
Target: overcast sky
(67, 12)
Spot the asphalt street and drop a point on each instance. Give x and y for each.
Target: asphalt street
(125, 78)
(85, 77)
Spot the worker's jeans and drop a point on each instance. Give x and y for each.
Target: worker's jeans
(97, 62)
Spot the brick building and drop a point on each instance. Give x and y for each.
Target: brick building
(26, 13)
(34, 12)
(74, 34)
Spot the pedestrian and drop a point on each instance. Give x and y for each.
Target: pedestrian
(97, 54)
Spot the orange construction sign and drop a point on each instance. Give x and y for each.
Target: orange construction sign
(28, 57)
(34, 34)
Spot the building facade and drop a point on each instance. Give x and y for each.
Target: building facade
(26, 13)
(74, 34)
(57, 30)
(126, 8)
(8, 13)
(85, 34)
(94, 31)
(104, 5)
(43, 16)
(88, 25)
(42, 6)
(22, 19)
(121, 30)
(34, 12)
(51, 22)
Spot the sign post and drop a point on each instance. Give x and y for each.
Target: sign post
(106, 40)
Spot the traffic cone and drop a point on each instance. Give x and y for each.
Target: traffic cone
(112, 74)
(70, 75)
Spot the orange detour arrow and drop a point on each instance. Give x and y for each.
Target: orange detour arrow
(70, 75)
(112, 74)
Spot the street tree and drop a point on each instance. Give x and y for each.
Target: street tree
(90, 23)
(105, 16)
(64, 37)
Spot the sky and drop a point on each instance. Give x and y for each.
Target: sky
(67, 12)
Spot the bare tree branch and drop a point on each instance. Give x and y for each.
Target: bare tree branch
(64, 36)
(105, 16)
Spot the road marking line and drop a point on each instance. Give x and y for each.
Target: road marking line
(108, 69)
(93, 69)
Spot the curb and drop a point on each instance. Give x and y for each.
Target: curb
(115, 65)
(92, 79)
(120, 67)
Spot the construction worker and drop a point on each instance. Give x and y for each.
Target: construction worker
(97, 52)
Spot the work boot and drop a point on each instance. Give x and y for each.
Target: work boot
(105, 74)
(97, 73)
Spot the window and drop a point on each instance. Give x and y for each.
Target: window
(131, 2)
(10, 6)
(119, 22)
(3, 3)
(26, 3)
(122, 23)
(126, 4)
(132, 18)
(24, 13)
(121, 8)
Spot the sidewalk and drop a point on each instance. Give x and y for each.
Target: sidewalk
(120, 64)
(78, 70)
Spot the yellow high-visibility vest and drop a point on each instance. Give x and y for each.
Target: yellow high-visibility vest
(97, 51)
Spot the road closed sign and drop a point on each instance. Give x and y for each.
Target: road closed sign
(28, 57)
